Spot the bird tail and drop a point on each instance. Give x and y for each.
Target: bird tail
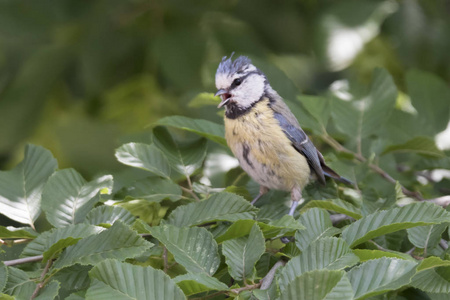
(327, 171)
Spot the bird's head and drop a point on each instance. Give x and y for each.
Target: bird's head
(239, 82)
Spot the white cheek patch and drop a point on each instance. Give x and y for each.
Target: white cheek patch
(249, 91)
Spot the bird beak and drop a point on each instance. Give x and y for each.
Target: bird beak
(225, 97)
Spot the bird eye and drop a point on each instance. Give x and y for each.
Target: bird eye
(237, 81)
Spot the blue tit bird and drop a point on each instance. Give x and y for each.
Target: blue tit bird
(263, 133)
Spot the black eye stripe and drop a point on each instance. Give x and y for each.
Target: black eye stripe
(241, 79)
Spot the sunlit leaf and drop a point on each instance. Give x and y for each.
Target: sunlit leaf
(387, 221)
(326, 253)
(50, 243)
(197, 283)
(67, 197)
(420, 145)
(21, 188)
(207, 129)
(117, 280)
(319, 285)
(194, 248)
(219, 207)
(362, 117)
(337, 205)
(318, 225)
(426, 236)
(17, 233)
(105, 214)
(378, 276)
(185, 158)
(241, 254)
(433, 275)
(119, 242)
(143, 156)
(367, 254)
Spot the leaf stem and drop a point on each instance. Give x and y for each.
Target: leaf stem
(190, 192)
(41, 284)
(23, 260)
(246, 288)
(337, 146)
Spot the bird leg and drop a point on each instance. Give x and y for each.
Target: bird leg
(296, 196)
(262, 191)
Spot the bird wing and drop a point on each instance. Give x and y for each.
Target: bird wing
(297, 136)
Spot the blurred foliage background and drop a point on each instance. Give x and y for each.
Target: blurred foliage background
(83, 77)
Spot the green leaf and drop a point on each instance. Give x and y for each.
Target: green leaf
(362, 117)
(326, 253)
(192, 284)
(237, 229)
(194, 248)
(387, 221)
(241, 254)
(219, 207)
(119, 242)
(19, 284)
(21, 188)
(184, 158)
(204, 99)
(426, 236)
(319, 285)
(116, 280)
(337, 205)
(420, 145)
(143, 156)
(318, 107)
(366, 254)
(318, 225)
(3, 275)
(286, 225)
(50, 291)
(153, 189)
(378, 276)
(67, 197)
(148, 211)
(105, 214)
(433, 275)
(75, 278)
(50, 243)
(17, 233)
(430, 96)
(207, 129)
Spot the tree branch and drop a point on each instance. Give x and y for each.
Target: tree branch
(337, 146)
(23, 260)
(268, 279)
(41, 284)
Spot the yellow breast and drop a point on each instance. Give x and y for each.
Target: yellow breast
(264, 151)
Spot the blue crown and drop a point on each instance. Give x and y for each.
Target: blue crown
(227, 66)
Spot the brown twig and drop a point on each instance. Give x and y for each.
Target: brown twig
(23, 260)
(41, 284)
(337, 146)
